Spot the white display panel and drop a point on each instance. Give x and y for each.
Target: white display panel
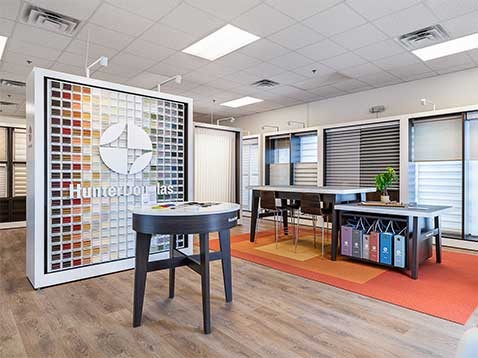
(87, 227)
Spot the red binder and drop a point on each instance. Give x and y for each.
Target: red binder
(374, 246)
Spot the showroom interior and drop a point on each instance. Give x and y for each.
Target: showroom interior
(324, 152)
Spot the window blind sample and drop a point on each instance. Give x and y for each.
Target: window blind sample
(471, 175)
(304, 158)
(250, 169)
(355, 155)
(280, 150)
(19, 180)
(3, 181)
(437, 139)
(214, 165)
(279, 174)
(19, 145)
(3, 144)
(305, 174)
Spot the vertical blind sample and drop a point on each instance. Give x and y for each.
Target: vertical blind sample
(19, 180)
(3, 144)
(250, 169)
(355, 155)
(214, 165)
(435, 170)
(3, 181)
(19, 145)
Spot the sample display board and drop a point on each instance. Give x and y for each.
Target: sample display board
(99, 149)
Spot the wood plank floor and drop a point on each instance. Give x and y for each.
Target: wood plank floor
(273, 314)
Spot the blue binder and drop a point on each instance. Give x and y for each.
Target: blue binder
(399, 257)
(386, 248)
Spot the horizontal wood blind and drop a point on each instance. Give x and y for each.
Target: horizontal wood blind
(355, 155)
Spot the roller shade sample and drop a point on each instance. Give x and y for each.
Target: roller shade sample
(355, 155)
(3, 144)
(19, 180)
(3, 181)
(19, 145)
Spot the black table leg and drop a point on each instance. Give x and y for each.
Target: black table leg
(438, 240)
(415, 245)
(172, 270)
(204, 259)
(254, 213)
(143, 242)
(225, 244)
(285, 221)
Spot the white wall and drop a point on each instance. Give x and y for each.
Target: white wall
(450, 90)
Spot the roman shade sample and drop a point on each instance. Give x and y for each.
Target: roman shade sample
(19, 180)
(355, 155)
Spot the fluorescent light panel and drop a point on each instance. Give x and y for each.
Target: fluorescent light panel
(225, 40)
(3, 42)
(447, 48)
(244, 101)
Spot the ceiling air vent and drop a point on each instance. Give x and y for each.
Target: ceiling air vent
(49, 20)
(265, 84)
(11, 83)
(424, 37)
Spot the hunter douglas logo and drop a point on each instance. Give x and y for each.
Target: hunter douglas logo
(115, 157)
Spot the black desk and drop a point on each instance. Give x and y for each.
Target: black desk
(183, 220)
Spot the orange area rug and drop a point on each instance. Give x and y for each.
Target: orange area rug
(448, 290)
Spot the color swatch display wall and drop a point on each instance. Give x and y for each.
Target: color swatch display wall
(95, 150)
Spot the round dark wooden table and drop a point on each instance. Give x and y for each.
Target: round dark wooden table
(183, 219)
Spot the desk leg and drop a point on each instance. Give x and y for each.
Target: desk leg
(143, 242)
(438, 240)
(254, 213)
(172, 270)
(225, 244)
(285, 221)
(415, 245)
(335, 234)
(206, 304)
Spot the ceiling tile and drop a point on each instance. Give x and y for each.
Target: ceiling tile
(151, 9)
(459, 60)
(199, 77)
(322, 50)
(288, 78)
(314, 70)
(291, 61)
(296, 36)
(69, 58)
(455, 68)
(351, 85)
(105, 37)
(184, 62)
(243, 77)
(32, 49)
(226, 10)
(264, 70)
(380, 50)
(373, 9)
(10, 9)
(192, 20)
(224, 84)
(404, 21)
(379, 79)
(263, 50)
(120, 20)
(215, 70)
(361, 70)
(401, 59)
(418, 76)
(12, 76)
(359, 37)
(80, 10)
(321, 80)
(462, 25)
(6, 27)
(147, 80)
(263, 20)
(409, 72)
(34, 35)
(335, 20)
(116, 78)
(132, 61)
(185, 85)
(345, 60)
(21, 59)
(446, 9)
(293, 92)
(149, 50)
(237, 61)
(74, 70)
(164, 35)
(301, 9)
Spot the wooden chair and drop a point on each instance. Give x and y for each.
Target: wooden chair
(311, 204)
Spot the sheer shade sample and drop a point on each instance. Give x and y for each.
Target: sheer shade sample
(3, 144)
(214, 165)
(19, 145)
(3, 181)
(19, 180)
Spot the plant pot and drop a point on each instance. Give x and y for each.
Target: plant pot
(385, 198)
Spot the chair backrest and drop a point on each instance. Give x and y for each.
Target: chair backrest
(268, 200)
(310, 204)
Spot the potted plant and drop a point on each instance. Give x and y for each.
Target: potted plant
(383, 181)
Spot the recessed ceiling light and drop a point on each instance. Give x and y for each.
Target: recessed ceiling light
(3, 42)
(221, 42)
(244, 101)
(447, 48)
